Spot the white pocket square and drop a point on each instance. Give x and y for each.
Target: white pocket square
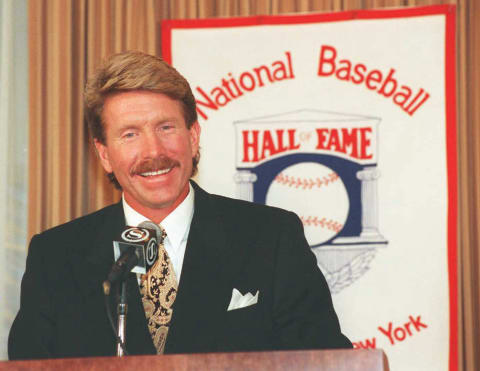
(241, 301)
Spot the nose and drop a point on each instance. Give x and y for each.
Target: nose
(152, 146)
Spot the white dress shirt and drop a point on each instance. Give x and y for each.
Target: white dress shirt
(176, 224)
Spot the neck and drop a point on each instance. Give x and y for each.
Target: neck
(157, 215)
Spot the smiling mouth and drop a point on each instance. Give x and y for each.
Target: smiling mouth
(155, 173)
(154, 167)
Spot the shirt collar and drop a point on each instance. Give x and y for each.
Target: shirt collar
(176, 224)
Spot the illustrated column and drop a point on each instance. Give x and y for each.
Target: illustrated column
(244, 180)
(368, 177)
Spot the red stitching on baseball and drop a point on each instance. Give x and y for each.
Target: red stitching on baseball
(311, 221)
(306, 183)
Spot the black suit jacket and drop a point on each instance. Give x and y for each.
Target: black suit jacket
(232, 244)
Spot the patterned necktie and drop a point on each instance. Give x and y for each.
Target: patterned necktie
(159, 289)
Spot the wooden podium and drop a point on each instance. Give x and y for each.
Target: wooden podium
(325, 360)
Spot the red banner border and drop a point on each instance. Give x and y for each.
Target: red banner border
(450, 110)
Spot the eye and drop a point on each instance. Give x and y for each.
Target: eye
(167, 127)
(128, 135)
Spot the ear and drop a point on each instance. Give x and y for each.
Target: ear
(195, 137)
(102, 152)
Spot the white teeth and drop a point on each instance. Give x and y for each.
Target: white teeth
(158, 172)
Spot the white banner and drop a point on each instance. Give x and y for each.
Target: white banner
(347, 119)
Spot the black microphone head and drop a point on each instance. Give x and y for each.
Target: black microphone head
(123, 265)
(145, 242)
(148, 224)
(135, 251)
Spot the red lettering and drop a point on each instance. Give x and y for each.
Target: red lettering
(321, 135)
(402, 96)
(373, 77)
(226, 85)
(350, 141)
(221, 98)
(359, 71)
(385, 84)
(327, 60)
(411, 112)
(290, 67)
(368, 344)
(355, 142)
(343, 72)
(234, 83)
(253, 145)
(280, 148)
(267, 145)
(388, 333)
(365, 143)
(334, 141)
(209, 103)
(417, 323)
(388, 80)
(399, 334)
(407, 328)
(259, 77)
(280, 72)
(255, 149)
(291, 140)
(242, 81)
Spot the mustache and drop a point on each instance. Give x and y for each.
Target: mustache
(154, 164)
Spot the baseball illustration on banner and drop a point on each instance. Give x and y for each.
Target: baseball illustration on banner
(321, 165)
(316, 194)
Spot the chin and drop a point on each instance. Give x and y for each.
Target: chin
(160, 203)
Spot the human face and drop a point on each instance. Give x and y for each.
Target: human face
(149, 149)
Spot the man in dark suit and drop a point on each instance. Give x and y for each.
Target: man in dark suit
(143, 120)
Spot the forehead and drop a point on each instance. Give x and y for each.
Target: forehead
(138, 106)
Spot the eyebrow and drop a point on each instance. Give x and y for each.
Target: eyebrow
(137, 125)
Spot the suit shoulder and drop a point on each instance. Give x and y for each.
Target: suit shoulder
(236, 208)
(249, 209)
(83, 225)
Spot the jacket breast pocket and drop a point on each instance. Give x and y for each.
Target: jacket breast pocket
(242, 318)
(246, 329)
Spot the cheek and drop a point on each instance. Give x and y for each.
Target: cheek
(123, 160)
(180, 147)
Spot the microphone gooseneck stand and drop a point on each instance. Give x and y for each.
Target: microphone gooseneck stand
(139, 247)
(122, 309)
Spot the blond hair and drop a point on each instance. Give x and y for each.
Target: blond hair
(129, 71)
(134, 70)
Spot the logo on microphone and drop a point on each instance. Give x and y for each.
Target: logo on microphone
(135, 234)
(152, 251)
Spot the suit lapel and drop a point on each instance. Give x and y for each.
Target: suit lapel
(200, 287)
(93, 262)
(91, 265)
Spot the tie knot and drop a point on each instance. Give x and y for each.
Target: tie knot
(161, 234)
(159, 230)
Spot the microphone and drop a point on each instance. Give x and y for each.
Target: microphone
(151, 225)
(135, 251)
